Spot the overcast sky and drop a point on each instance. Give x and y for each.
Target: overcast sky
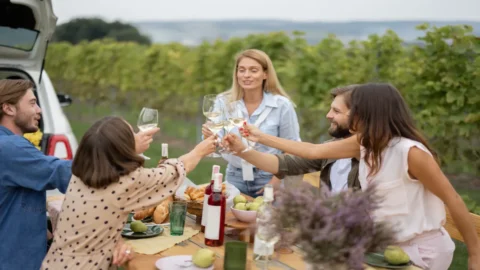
(300, 10)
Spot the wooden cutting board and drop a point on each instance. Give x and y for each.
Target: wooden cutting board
(232, 222)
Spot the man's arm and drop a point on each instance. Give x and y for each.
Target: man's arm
(294, 165)
(23, 165)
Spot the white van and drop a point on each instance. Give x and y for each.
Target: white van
(26, 27)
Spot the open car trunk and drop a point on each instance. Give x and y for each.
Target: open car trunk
(26, 27)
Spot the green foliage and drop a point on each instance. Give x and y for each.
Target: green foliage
(88, 29)
(439, 78)
(471, 204)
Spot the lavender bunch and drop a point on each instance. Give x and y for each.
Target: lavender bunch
(330, 228)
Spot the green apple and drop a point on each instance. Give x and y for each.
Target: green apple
(254, 206)
(138, 226)
(203, 258)
(239, 199)
(258, 199)
(395, 255)
(247, 205)
(240, 206)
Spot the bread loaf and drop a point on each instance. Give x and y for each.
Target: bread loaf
(160, 214)
(139, 215)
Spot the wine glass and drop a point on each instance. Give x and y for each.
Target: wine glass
(235, 115)
(147, 120)
(214, 112)
(210, 109)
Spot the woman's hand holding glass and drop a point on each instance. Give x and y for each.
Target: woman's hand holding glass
(233, 144)
(251, 132)
(143, 139)
(207, 146)
(214, 112)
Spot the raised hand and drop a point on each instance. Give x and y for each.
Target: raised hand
(251, 132)
(143, 139)
(206, 131)
(206, 146)
(233, 143)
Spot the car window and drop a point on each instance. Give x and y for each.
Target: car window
(18, 38)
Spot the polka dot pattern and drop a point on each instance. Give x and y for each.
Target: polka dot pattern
(91, 220)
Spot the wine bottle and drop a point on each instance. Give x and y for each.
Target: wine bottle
(164, 153)
(265, 238)
(208, 192)
(215, 227)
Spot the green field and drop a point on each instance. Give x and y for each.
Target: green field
(181, 137)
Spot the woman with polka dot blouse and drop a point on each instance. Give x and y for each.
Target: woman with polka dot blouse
(108, 182)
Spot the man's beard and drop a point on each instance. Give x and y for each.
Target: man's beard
(339, 131)
(22, 121)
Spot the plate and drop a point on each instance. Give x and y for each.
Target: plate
(181, 262)
(152, 230)
(378, 260)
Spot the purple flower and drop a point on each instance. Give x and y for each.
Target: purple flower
(330, 228)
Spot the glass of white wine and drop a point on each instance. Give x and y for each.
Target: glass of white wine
(147, 120)
(210, 109)
(235, 116)
(214, 113)
(233, 113)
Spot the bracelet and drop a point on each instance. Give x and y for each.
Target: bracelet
(245, 150)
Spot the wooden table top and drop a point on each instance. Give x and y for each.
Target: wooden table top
(189, 247)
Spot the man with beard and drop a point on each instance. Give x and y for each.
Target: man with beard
(25, 176)
(337, 174)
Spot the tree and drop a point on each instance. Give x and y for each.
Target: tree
(89, 29)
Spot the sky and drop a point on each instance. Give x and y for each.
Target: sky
(297, 10)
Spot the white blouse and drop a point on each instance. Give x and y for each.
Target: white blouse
(407, 204)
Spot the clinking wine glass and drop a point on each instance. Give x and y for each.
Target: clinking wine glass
(234, 113)
(147, 120)
(214, 113)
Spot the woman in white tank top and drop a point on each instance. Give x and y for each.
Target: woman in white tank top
(394, 155)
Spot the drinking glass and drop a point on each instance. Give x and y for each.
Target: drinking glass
(147, 119)
(235, 255)
(234, 113)
(214, 112)
(178, 212)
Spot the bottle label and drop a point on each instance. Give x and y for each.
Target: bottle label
(217, 185)
(204, 210)
(212, 230)
(261, 247)
(215, 170)
(164, 150)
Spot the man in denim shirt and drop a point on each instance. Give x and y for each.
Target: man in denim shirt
(25, 175)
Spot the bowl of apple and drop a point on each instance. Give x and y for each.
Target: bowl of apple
(244, 210)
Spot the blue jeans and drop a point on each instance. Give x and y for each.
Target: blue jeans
(250, 188)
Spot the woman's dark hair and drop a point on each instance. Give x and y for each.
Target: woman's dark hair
(106, 152)
(379, 113)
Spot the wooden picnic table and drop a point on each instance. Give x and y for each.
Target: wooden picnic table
(289, 261)
(190, 246)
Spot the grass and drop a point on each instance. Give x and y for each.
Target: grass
(181, 135)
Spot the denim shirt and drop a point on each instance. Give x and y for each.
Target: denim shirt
(281, 122)
(25, 175)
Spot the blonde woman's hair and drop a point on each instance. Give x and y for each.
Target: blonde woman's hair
(271, 84)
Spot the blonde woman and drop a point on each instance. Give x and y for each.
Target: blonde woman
(263, 103)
